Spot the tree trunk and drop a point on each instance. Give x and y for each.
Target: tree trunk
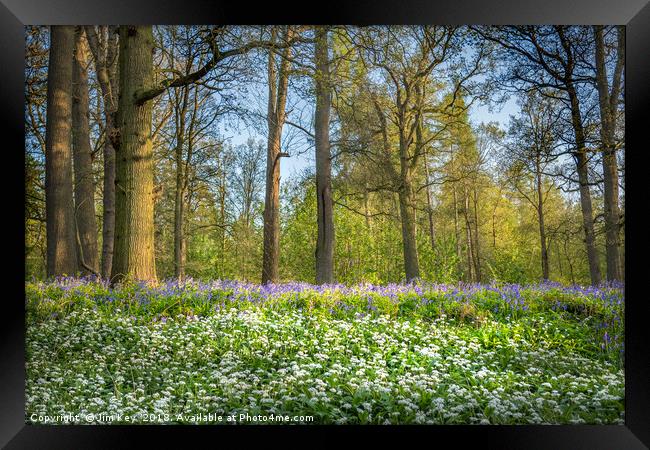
(477, 245)
(585, 195)
(84, 185)
(108, 205)
(222, 213)
(59, 208)
(587, 218)
(468, 237)
(179, 266)
(456, 227)
(105, 67)
(608, 105)
(429, 204)
(366, 204)
(494, 231)
(407, 216)
(540, 219)
(134, 213)
(325, 240)
(568, 258)
(559, 258)
(407, 204)
(276, 115)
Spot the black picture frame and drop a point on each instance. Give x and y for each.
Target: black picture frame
(14, 14)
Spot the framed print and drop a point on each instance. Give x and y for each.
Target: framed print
(387, 219)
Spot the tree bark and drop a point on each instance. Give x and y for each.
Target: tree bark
(179, 266)
(559, 258)
(456, 227)
(568, 258)
(407, 216)
(429, 204)
(540, 219)
(105, 67)
(84, 185)
(275, 120)
(468, 237)
(366, 204)
(407, 202)
(59, 208)
(222, 209)
(583, 180)
(134, 213)
(325, 240)
(477, 244)
(608, 103)
(542, 59)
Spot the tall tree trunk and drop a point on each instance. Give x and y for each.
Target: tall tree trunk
(407, 216)
(106, 67)
(540, 220)
(366, 204)
(179, 266)
(568, 258)
(477, 244)
(583, 180)
(222, 212)
(468, 237)
(59, 208)
(108, 207)
(325, 240)
(456, 227)
(134, 213)
(186, 188)
(559, 258)
(608, 103)
(276, 116)
(429, 204)
(407, 204)
(420, 149)
(494, 230)
(84, 185)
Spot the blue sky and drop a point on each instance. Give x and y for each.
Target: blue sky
(298, 162)
(256, 100)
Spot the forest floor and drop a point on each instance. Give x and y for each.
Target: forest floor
(224, 352)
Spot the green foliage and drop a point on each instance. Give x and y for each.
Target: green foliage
(508, 267)
(298, 235)
(441, 263)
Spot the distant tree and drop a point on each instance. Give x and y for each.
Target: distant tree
(406, 57)
(534, 141)
(553, 59)
(36, 65)
(461, 174)
(247, 177)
